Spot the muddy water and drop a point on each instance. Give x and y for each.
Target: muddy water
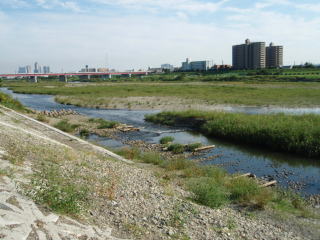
(299, 173)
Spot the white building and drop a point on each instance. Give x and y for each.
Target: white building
(196, 65)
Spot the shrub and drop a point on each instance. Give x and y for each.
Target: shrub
(42, 118)
(65, 126)
(176, 148)
(84, 133)
(166, 140)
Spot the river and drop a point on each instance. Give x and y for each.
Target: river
(299, 173)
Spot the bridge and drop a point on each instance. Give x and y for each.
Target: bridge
(64, 76)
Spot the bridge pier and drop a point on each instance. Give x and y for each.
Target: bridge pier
(63, 78)
(34, 79)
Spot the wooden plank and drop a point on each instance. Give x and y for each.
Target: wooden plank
(271, 183)
(204, 148)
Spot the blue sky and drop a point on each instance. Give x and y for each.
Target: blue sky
(126, 34)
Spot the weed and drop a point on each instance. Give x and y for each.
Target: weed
(192, 147)
(60, 193)
(42, 118)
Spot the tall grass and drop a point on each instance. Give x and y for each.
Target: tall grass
(298, 134)
(9, 102)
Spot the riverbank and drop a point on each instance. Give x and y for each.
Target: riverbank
(138, 200)
(177, 95)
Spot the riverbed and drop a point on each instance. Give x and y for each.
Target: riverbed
(299, 173)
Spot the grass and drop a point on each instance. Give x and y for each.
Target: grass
(166, 140)
(176, 148)
(42, 118)
(102, 123)
(65, 126)
(297, 134)
(9, 102)
(244, 92)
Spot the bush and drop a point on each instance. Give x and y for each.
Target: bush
(65, 126)
(84, 133)
(166, 140)
(176, 148)
(177, 164)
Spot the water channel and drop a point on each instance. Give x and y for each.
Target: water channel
(303, 174)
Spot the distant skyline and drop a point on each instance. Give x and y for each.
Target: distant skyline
(127, 34)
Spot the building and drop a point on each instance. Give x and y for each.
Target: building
(250, 55)
(22, 70)
(36, 68)
(186, 65)
(167, 67)
(87, 69)
(28, 69)
(46, 69)
(103, 69)
(196, 65)
(274, 56)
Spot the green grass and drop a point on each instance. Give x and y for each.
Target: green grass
(102, 123)
(166, 140)
(244, 92)
(176, 148)
(297, 134)
(84, 133)
(9, 102)
(65, 126)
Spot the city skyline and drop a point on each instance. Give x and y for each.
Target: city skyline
(136, 34)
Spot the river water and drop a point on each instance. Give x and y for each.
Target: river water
(299, 173)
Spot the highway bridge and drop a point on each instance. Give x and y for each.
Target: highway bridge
(64, 76)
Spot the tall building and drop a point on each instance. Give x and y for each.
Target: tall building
(251, 55)
(28, 68)
(274, 56)
(22, 70)
(36, 68)
(46, 69)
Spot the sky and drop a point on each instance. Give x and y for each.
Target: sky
(134, 34)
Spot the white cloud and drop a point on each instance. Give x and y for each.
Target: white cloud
(189, 6)
(49, 4)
